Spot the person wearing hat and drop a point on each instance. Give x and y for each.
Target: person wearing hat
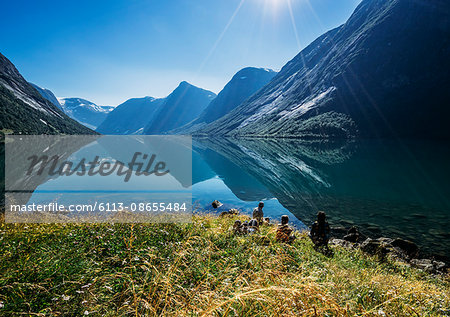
(320, 231)
(284, 231)
(258, 213)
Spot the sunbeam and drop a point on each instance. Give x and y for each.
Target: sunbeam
(219, 39)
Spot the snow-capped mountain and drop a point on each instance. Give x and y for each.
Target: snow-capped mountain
(131, 116)
(85, 111)
(383, 73)
(183, 105)
(47, 94)
(244, 83)
(25, 111)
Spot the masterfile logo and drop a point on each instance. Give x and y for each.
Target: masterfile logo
(98, 178)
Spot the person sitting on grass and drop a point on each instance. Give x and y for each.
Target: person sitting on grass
(267, 221)
(258, 213)
(320, 231)
(253, 225)
(284, 231)
(237, 227)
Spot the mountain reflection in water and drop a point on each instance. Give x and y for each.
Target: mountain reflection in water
(389, 188)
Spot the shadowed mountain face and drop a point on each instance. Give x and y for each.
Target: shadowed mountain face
(84, 111)
(131, 116)
(183, 105)
(385, 72)
(244, 83)
(24, 110)
(395, 189)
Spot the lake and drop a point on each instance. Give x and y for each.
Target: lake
(386, 188)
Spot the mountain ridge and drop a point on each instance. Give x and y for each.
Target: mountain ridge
(369, 77)
(242, 85)
(25, 111)
(182, 106)
(131, 116)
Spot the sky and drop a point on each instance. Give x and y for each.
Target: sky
(108, 51)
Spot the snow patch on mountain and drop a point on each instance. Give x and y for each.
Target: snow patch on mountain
(300, 109)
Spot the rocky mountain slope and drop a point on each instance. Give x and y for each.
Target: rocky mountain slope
(383, 73)
(85, 111)
(183, 105)
(131, 116)
(23, 110)
(244, 83)
(47, 94)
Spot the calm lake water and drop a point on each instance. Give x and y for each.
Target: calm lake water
(386, 188)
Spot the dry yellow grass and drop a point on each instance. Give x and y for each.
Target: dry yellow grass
(200, 269)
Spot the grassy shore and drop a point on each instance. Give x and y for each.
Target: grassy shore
(199, 269)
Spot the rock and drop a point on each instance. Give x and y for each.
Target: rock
(428, 265)
(353, 230)
(376, 247)
(341, 243)
(408, 247)
(231, 212)
(385, 240)
(351, 237)
(370, 246)
(216, 204)
(440, 266)
(423, 264)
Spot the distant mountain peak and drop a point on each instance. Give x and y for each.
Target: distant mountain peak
(183, 105)
(84, 111)
(242, 85)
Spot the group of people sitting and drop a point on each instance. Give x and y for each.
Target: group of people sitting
(319, 234)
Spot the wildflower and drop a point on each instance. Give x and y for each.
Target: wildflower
(86, 313)
(2, 305)
(66, 298)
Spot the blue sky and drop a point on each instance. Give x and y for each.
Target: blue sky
(110, 51)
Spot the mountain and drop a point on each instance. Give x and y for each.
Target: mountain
(24, 111)
(47, 94)
(85, 111)
(183, 105)
(383, 73)
(131, 116)
(244, 83)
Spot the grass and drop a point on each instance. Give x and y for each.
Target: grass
(199, 269)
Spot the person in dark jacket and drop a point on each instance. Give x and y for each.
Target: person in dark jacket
(320, 231)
